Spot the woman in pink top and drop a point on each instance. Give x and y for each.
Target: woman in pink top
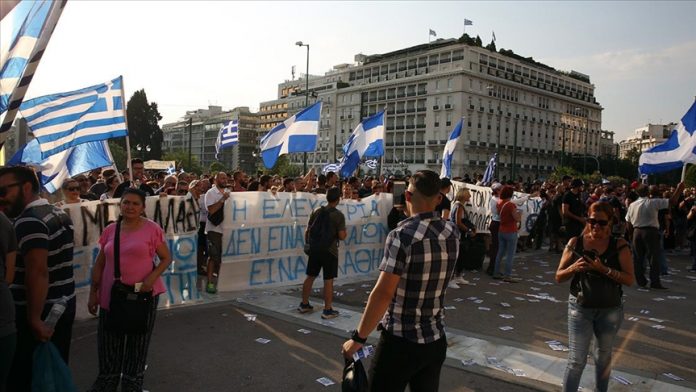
(122, 356)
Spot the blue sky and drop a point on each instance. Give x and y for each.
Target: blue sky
(640, 55)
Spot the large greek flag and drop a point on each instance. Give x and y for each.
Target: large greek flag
(228, 136)
(298, 133)
(64, 120)
(69, 163)
(25, 29)
(679, 149)
(367, 140)
(448, 153)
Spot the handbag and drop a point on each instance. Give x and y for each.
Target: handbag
(128, 311)
(218, 216)
(354, 377)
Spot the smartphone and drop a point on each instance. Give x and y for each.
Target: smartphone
(588, 255)
(398, 190)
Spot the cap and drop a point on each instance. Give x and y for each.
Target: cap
(496, 186)
(576, 183)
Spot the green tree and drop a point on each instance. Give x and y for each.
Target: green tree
(491, 46)
(181, 159)
(284, 168)
(478, 41)
(633, 155)
(217, 167)
(143, 126)
(119, 154)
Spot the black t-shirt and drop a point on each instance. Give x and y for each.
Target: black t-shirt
(143, 187)
(445, 204)
(576, 207)
(364, 192)
(554, 210)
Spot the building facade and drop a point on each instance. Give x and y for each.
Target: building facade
(528, 112)
(204, 126)
(645, 137)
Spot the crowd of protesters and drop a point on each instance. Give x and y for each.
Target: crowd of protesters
(641, 223)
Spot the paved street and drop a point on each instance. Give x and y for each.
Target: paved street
(211, 347)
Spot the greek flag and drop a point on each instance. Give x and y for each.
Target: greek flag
(228, 136)
(679, 149)
(331, 167)
(54, 170)
(446, 170)
(25, 29)
(171, 170)
(367, 140)
(64, 120)
(298, 133)
(467, 22)
(490, 170)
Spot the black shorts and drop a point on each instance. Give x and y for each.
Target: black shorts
(322, 260)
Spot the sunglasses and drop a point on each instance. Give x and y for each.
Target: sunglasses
(73, 188)
(599, 222)
(4, 189)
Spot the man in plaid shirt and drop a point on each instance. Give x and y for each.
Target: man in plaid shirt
(407, 300)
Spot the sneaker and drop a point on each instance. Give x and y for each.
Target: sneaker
(497, 277)
(305, 308)
(211, 289)
(461, 280)
(329, 314)
(452, 284)
(510, 279)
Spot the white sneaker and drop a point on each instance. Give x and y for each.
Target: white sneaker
(461, 280)
(452, 285)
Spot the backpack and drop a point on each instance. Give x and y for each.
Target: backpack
(320, 233)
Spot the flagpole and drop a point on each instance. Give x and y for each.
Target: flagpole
(128, 149)
(384, 144)
(683, 176)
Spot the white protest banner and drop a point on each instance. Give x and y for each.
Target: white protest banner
(263, 240)
(478, 208)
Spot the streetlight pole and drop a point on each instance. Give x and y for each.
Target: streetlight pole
(514, 152)
(190, 125)
(299, 43)
(563, 141)
(500, 120)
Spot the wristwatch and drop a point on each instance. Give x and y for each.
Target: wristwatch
(356, 338)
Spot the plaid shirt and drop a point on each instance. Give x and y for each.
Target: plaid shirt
(423, 251)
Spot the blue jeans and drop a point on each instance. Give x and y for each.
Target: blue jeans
(583, 323)
(507, 245)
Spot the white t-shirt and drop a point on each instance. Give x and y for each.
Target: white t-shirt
(211, 197)
(644, 212)
(203, 215)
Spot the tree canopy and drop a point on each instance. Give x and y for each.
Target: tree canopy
(143, 127)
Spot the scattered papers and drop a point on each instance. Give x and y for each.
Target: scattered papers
(644, 311)
(250, 316)
(325, 381)
(505, 304)
(519, 373)
(673, 377)
(304, 331)
(485, 309)
(450, 307)
(644, 290)
(633, 319)
(491, 293)
(468, 362)
(657, 320)
(622, 380)
(555, 345)
(659, 326)
(506, 316)
(478, 301)
(676, 297)
(262, 340)
(535, 288)
(520, 299)
(458, 299)
(506, 328)
(658, 299)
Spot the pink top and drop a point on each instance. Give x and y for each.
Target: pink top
(138, 249)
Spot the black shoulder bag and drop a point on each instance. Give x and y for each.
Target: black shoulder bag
(128, 310)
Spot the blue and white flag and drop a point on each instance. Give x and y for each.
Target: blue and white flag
(677, 150)
(490, 170)
(331, 167)
(64, 120)
(25, 30)
(57, 168)
(228, 136)
(171, 170)
(298, 133)
(367, 140)
(446, 170)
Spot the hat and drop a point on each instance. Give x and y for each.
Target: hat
(576, 183)
(496, 186)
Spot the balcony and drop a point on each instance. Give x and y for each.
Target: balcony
(411, 110)
(436, 107)
(471, 107)
(410, 126)
(448, 107)
(421, 109)
(422, 92)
